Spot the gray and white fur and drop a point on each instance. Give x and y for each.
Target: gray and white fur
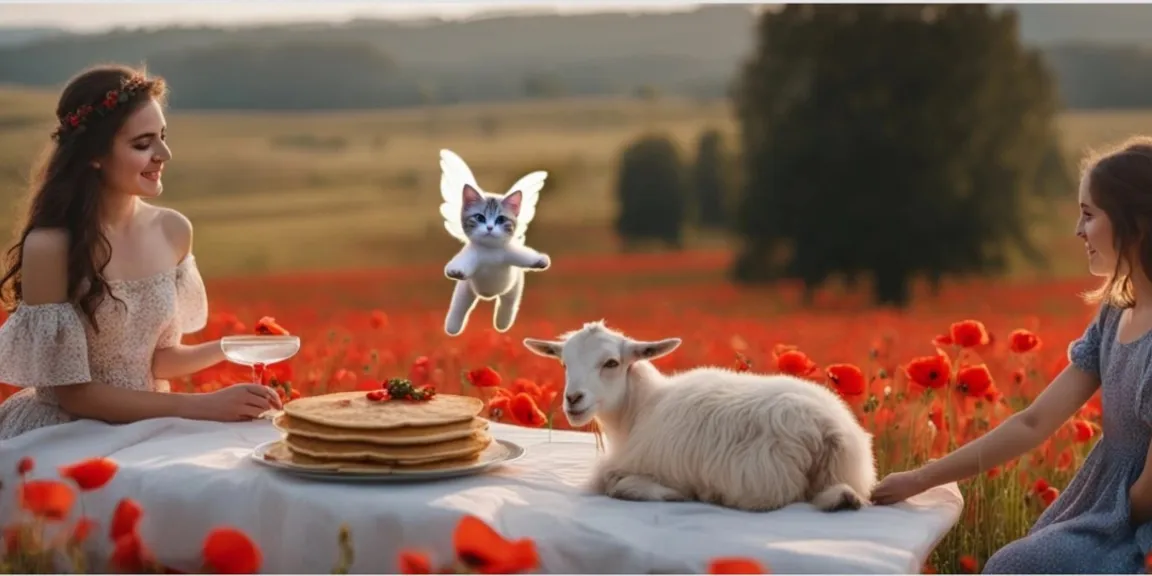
(492, 263)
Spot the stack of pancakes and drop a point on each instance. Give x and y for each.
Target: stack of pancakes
(348, 432)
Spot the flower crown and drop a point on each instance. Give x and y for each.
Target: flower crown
(79, 118)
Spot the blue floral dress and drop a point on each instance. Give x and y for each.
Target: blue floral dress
(1087, 529)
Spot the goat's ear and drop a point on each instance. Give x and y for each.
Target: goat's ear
(545, 348)
(651, 350)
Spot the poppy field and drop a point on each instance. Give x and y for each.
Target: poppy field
(924, 380)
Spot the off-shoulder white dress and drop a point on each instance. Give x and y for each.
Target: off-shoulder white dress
(47, 345)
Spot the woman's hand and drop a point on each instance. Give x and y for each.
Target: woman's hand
(236, 403)
(898, 487)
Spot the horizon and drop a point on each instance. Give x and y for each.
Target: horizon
(96, 17)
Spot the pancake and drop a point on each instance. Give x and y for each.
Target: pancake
(366, 451)
(353, 410)
(405, 436)
(279, 452)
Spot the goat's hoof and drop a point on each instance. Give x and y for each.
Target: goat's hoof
(847, 502)
(838, 498)
(455, 274)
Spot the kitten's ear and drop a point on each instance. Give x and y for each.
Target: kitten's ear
(471, 196)
(512, 201)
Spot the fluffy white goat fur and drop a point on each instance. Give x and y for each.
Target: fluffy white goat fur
(747, 441)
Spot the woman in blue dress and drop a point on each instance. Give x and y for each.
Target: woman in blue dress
(1100, 523)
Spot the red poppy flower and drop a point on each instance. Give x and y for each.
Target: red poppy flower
(481, 548)
(1023, 341)
(525, 412)
(930, 371)
(974, 380)
(735, 565)
(229, 551)
(46, 499)
(1082, 430)
(377, 319)
(795, 363)
(125, 518)
(268, 326)
(129, 554)
(90, 474)
(969, 564)
(413, 562)
(969, 333)
(484, 377)
(82, 529)
(498, 406)
(848, 379)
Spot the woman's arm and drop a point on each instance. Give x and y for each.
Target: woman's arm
(121, 405)
(184, 359)
(44, 279)
(1020, 433)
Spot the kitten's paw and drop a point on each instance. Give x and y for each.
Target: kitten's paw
(455, 274)
(543, 263)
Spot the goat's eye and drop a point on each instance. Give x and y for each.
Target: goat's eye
(611, 364)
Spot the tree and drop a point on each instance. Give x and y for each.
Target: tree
(652, 190)
(710, 180)
(889, 140)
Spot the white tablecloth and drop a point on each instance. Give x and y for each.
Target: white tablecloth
(191, 476)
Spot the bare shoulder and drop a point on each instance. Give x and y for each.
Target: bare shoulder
(177, 229)
(46, 243)
(44, 268)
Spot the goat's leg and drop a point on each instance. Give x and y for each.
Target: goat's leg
(640, 488)
(843, 477)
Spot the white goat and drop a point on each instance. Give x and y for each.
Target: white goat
(747, 441)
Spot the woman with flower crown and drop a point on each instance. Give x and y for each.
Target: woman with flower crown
(101, 285)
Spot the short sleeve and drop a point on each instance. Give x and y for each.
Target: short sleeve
(191, 297)
(1084, 352)
(44, 345)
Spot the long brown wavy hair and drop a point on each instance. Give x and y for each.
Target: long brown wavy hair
(1120, 183)
(65, 192)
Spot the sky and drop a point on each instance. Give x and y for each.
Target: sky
(93, 16)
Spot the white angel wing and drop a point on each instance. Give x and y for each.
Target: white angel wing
(529, 187)
(454, 174)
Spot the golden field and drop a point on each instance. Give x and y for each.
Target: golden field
(283, 192)
(329, 223)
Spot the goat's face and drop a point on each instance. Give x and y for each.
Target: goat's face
(596, 363)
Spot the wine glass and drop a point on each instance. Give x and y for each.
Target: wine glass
(258, 350)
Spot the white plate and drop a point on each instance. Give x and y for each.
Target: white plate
(498, 453)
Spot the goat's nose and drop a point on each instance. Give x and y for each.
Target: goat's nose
(574, 398)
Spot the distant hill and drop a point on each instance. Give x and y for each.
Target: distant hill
(1094, 50)
(17, 36)
(1051, 24)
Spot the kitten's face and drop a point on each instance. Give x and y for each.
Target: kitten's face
(489, 221)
